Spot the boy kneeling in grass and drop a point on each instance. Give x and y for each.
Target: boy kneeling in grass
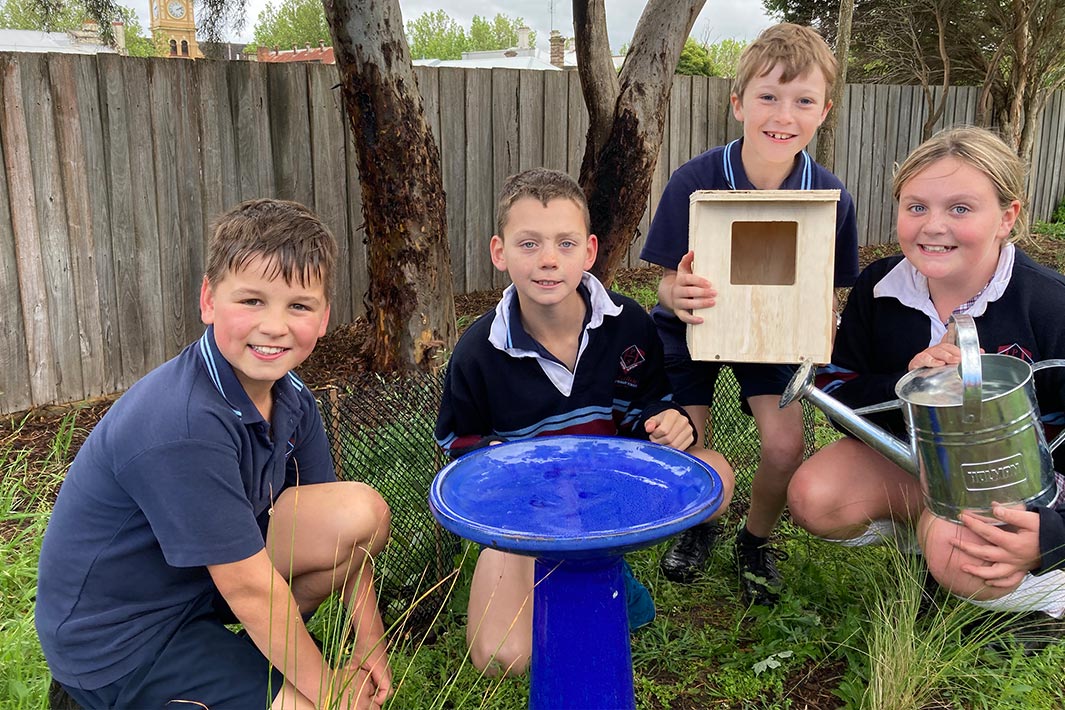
(560, 354)
(207, 496)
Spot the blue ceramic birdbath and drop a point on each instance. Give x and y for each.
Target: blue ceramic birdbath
(576, 503)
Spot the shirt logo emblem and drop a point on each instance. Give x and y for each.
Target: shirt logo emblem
(631, 358)
(1015, 350)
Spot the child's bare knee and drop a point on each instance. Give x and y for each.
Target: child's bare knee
(368, 514)
(495, 658)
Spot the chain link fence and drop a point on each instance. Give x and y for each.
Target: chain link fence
(381, 432)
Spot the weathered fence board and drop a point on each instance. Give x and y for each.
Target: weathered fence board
(453, 172)
(78, 136)
(14, 361)
(114, 169)
(480, 204)
(62, 315)
(328, 176)
(504, 162)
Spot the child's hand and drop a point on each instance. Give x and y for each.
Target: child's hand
(1010, 552)
(670, 428)
(945, 352)
(690, 292)
(936, 356)
(356, 690)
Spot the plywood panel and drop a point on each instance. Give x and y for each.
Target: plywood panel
(769, 254)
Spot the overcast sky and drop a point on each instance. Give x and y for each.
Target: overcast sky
(720, 19)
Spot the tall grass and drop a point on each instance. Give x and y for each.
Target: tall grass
(847, 624)
(27, 489)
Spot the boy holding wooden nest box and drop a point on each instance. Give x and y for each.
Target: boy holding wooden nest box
(780, 95)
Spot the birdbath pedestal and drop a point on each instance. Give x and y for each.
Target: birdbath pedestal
(576, 504)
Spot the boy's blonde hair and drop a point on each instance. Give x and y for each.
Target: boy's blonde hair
(795, 48)
(541, 184)
(288, 236)
(984, 151)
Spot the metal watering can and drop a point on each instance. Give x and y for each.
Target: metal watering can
(975, 436)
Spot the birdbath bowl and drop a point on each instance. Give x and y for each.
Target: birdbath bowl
(576, 504)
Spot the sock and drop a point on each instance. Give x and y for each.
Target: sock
(747, 539)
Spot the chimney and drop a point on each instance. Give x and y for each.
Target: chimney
(118, 29)
(321, 44)
(523, 37)
(557, 49)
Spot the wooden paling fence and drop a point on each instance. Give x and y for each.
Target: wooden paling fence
(114, 168)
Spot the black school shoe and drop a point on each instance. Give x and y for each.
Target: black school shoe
(689, 552)
(1032, 631)
(756, 566)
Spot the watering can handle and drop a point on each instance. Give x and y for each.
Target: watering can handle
(1042, 365)
(966, 338)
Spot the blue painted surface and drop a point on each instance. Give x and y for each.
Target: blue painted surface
(573, 496)
(581, 657)
(576, 503)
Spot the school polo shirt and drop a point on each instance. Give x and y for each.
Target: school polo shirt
(722, 169)
(501, 385)
(172, 479)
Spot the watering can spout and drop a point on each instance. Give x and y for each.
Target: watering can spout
(801, 386)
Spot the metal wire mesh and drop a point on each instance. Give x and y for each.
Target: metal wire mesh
(735, 435)
(381, 432)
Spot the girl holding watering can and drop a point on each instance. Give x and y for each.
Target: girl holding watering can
(960, 204)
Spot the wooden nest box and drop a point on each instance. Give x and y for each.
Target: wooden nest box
(769, 255)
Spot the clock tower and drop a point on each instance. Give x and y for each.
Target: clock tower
(174, 29)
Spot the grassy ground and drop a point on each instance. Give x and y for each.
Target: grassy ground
(846, 633)
(846, 628)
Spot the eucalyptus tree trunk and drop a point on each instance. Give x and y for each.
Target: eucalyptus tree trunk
(410, 302)
(826, 135)
(627, 113)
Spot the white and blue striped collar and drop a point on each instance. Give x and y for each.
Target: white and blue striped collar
(224, 379)
(806, 174)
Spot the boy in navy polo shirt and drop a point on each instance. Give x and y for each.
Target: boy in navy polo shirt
(207, 495)
(559, 355)
(781, 91)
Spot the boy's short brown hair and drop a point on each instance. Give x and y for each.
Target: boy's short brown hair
(287, 235)
(544, 185)
(795, 48)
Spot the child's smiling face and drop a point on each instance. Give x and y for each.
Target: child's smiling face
(951, 225)
(546, 249)
(263, 326)
(779, 120)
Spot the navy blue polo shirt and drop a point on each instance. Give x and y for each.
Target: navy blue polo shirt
(722, 169)
(173, 478)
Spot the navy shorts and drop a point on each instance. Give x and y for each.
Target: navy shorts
(693, 381)
(203, 662)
